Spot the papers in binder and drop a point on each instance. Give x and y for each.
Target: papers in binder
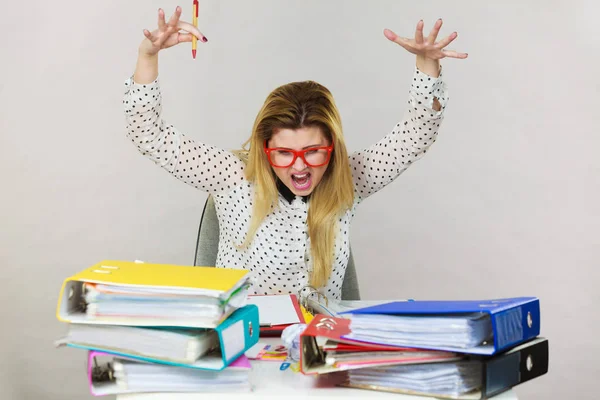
(445, 379)
(143, 294)
(460, 332)
(336, 308)
(467, 326)
(169, 344)
(234, 336)
(324, 350)
(108, 374)
(471, 378)
(316, 302)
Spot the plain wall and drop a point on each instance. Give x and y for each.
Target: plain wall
(504, 204)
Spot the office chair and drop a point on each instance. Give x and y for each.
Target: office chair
(207, 247)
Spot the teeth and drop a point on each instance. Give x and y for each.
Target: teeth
(301, 176)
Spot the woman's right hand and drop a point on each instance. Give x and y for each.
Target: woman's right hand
(168, 34)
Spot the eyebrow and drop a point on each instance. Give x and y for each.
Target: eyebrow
(304, 148)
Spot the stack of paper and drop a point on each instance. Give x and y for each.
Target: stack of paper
(448, 331)
(277, 312)
(180, 345)
(342, 356)
(129, 293)
(336, 308)
(111, 374)
(447, 379)
(160, 327)
(450, 349)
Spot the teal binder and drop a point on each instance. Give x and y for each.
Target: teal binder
(237, 333)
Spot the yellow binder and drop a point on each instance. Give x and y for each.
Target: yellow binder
(221, 285)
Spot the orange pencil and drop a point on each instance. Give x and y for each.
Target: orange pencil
(195, 23)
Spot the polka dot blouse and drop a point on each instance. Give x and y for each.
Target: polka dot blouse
(279, 256)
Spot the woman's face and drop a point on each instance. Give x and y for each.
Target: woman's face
(299, 177)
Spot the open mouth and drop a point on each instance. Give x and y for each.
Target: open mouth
(301, 181)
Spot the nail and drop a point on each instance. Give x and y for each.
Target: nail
(204, 39)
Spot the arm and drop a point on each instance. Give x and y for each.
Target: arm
(380, 164)
(199, 165)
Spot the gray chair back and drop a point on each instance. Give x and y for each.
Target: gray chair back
(207, 247)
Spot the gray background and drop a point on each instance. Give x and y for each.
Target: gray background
(505, 203)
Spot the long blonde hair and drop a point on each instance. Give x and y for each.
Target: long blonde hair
(293, 106)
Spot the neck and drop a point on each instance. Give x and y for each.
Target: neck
(287, 193)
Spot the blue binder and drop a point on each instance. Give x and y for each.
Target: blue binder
(239, 332)
(513, 320)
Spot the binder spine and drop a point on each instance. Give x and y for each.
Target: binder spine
(238, 333)
(509, 327)
(513, 368)
(516, 325)
(501, 373)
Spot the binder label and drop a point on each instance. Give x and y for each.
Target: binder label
(233, 340)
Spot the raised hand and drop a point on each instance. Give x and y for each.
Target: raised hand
(168, 33)
(427, 47)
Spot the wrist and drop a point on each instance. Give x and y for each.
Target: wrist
(428, 66)
(145, 50)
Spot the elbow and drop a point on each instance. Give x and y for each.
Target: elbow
(437, 106)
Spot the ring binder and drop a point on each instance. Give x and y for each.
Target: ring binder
(219, 291)
(235, 337)
(117, 374)
(99, 374)
(497, 373)
(304, 298)
(324, 329)
(496, 324)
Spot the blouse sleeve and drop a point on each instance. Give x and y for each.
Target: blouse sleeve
(202, 166)
(380, 164)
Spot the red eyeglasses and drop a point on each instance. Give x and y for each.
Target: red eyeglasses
(314, 157)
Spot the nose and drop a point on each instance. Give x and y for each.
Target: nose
(299, 164)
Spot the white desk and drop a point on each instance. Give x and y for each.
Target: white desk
(269, 382)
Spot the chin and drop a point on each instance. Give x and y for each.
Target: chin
(302, 192)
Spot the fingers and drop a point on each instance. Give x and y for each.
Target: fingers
(419, 32)
(148, 35)
(184, 37)
(454, 54)
(161, 19)
(446, 41)
(186, 26)
(434, 32)
(390, 35)
(175, 18)
(396, 39)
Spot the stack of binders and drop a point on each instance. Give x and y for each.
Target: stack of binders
(159, 327)
(443, 349)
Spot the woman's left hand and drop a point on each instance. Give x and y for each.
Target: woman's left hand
(427, 48)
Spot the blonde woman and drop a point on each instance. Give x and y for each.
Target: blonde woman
(286, 202)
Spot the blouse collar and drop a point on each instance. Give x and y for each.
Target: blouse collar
(287, 193)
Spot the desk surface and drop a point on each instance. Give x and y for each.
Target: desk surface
(270, 382)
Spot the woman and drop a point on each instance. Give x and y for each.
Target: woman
(285, 204)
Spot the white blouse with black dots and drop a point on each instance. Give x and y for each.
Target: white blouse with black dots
(279, 256)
